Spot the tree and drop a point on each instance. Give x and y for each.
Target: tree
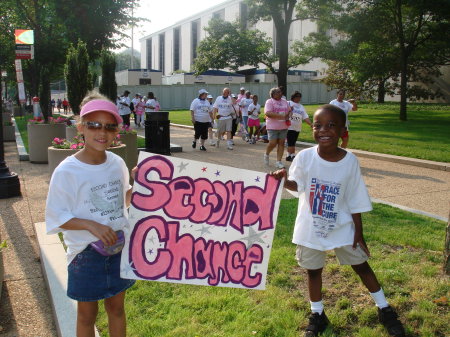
(283, 13)
(76, 72)
(108, 86)
(391, 40)
(223, 47)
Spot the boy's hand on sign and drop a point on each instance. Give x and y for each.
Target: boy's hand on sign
(279, 174)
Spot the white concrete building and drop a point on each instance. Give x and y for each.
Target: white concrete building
(174, 48)
(138, 77)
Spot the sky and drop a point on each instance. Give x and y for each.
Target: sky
(164, 13)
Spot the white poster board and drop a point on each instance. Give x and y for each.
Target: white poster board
(200, 223)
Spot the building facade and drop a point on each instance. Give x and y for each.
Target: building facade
(174, 48)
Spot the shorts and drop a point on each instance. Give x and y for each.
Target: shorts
(277, 134)
(224, 125)
(201, 129)
(93, 277)
(292, 137)
(253, 122)
(312, 259)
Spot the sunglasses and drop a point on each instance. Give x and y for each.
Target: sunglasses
(99, 126)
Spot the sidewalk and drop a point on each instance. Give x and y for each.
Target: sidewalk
(26, 309)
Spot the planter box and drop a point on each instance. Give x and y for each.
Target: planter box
(40, 137)
(6, 117)
(71, 133)
(9, 133)
(2, 273)
(130, 140)
(56, 156)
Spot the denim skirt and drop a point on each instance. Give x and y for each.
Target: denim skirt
(93, 277)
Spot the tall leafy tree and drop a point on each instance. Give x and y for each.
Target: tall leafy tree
(283, 13)
(108, 85)
(223, 47)
(382, 41)
(77, 76)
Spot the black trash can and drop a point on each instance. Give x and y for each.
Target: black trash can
(157, 132)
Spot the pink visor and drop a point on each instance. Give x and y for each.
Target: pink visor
(101, 105)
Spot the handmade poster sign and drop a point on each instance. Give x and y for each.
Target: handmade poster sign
(199, 223)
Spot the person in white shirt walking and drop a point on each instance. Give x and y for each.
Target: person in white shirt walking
(346, 106)
(201, 116)
(298, 115)
(211, 126)
(124, 108)
(223, 112)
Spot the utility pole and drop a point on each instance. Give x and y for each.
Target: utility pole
(132, 36)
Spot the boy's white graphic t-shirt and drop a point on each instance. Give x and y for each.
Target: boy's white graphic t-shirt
(297, 117)
(254, 111)
(201, 110)
(92, 192)
(329, 193)
(224, 107)
(346, 106)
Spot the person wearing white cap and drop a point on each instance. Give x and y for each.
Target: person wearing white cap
(211, 124)
(201, 117)
(223, 112)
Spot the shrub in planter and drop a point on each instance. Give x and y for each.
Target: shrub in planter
(63, 148)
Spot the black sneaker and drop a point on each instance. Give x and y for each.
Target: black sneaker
(202, 148)
(194, 144)
(317, 324)
(289, 158)
(388, 317)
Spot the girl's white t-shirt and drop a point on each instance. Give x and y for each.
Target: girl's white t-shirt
(254, 111)
(329, 193)
(297, 116)
(93, 192)
(346, 106)
(201, 110)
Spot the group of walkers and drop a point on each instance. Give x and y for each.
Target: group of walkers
(136, 106)
(283, 120)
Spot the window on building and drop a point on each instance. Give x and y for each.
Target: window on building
(145, 81)
(195, 30)
(176, 48)
(162, 53)
(219, 14)
(149, 53)
(243, 15)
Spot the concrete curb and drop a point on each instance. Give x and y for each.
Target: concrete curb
(404, 208)
(54, 267)
(435, 165)
(23, 154)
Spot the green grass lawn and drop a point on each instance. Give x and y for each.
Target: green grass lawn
(22, 126)
(406, 256)
(377, 128)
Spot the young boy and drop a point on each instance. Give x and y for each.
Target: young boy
(332, 195)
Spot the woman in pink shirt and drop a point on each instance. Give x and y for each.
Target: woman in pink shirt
(277, 112)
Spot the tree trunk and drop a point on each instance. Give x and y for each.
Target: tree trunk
(381, 90)
(447, 249)
(403, 87)
(282, 35)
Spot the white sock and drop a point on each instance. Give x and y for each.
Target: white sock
(380, 299)
(317, 307)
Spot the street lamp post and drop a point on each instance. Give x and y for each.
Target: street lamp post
(9, 181)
